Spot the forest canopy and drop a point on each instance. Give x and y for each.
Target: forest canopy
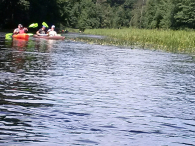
(82, 14)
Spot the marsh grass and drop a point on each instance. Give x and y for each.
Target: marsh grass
(179, 41)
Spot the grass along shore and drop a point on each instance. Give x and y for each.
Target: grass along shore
(179, 41)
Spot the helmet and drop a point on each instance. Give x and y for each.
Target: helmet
(53, 26)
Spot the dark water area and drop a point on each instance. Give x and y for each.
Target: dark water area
(64, 93)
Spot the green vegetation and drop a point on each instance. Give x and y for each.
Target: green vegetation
(107, 16)
(90, 14)
(169, 40)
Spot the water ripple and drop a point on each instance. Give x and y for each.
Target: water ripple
(72, 93)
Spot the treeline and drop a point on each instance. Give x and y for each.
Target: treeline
(82, 14)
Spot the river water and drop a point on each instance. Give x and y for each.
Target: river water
(65, 93)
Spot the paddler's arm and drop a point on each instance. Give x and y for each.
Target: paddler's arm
(15, 31)
(38, 32)
(25, 29)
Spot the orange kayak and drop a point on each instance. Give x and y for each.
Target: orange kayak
(21, 36)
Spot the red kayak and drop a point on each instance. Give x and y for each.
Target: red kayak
(49, 37)
(21, 36)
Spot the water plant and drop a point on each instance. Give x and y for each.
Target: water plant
(177, 41)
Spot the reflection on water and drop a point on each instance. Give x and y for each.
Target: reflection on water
(31, 45)
(70, 93)
(19, 43)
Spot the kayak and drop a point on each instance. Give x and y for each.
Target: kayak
(49, 37)
(21, 36)
(9, 36)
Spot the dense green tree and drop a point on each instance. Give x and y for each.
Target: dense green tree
(83, 14)
(137, 13)
(151, 14)
(14, 11)
(44, 11)
(185, 13)
(159, 14)
(88, 16)
(107, 15)
(167, 14)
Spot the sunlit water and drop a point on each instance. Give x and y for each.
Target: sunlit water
(71, 93)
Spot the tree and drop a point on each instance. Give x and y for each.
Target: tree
(88, 18)
(16, 12)
(167, 14)
(137, 13)
(185, 13)
(159, 14)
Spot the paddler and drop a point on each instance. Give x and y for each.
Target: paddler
(51, 31)
(20, 29)
(41, 30)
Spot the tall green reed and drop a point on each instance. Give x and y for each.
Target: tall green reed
(179, 41)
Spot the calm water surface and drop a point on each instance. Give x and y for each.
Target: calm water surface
(55, 93)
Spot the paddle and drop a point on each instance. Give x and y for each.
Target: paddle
(45, 24)
(8, 36)
(33, 25)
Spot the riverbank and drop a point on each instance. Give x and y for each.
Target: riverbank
(168, 40)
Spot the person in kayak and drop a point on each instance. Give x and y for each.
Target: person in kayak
(51, 31)
(41, 30)
(20, 29)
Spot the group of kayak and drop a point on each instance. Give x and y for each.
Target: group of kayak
(21, 33)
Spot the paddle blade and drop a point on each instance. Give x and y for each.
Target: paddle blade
(30, 34)
(45, 24)
(8, 36)
(33, 25)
